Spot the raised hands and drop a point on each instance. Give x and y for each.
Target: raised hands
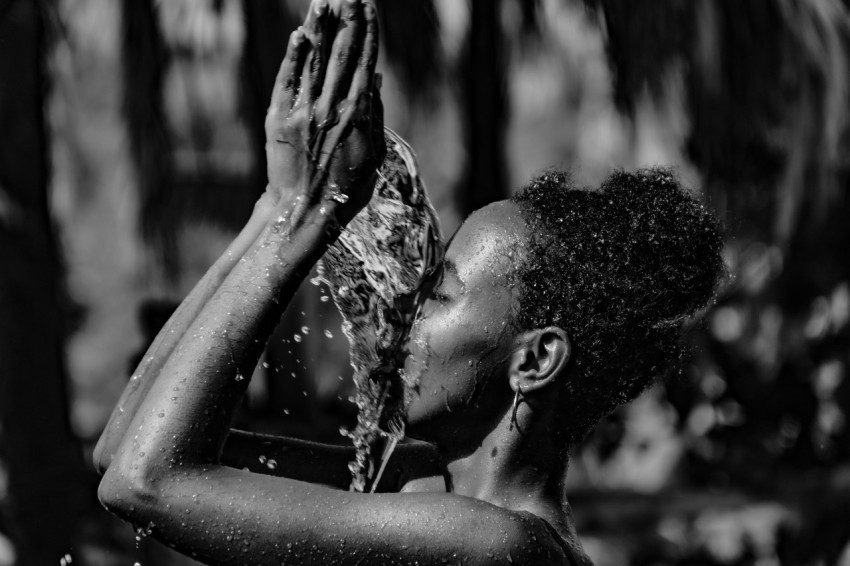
(324, 128)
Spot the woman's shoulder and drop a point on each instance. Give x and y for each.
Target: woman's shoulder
(531, 539)
(495, 535)
(430, 527)
(565, 538)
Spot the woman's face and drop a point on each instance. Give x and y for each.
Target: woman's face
(461, 342)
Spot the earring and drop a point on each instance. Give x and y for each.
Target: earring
(516, 404)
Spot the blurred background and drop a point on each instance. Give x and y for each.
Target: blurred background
(131, 151)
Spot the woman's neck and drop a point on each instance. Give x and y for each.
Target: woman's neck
(517, 468)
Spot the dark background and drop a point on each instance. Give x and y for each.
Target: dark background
(131, 150)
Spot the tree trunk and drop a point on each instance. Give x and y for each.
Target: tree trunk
(47, 487)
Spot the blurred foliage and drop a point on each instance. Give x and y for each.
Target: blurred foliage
(762, 408)
(742, 459)
(767, 86)
(410, 34)
(43, 481)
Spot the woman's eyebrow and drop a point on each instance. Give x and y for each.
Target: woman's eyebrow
(450, 267)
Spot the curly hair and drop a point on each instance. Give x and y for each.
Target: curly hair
(619, 268)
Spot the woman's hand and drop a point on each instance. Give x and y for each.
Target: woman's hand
(324, 128)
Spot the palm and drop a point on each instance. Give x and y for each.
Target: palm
(324, 130)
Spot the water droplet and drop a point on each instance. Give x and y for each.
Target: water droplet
(262, 459)
(328, 333)
(266, 365)
(338, 197)
(239, 377)
(297, 338)
(271, 464)
(324, 298)
(305, 330)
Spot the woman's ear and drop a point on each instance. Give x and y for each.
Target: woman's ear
(539, 357)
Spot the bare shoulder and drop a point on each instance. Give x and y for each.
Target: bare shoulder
(533, 542)
(564, 537)
(293, 522)
(464, 530)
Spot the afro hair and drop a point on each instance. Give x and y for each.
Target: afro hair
(619, 268)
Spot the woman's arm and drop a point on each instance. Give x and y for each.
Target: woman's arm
(324, 143)
(322, 163)
(166, 474)
(173, 331)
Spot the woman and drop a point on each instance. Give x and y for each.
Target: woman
(549, 310)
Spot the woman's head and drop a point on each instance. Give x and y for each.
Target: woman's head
(462, 337)
(616, 268)
(619, 269)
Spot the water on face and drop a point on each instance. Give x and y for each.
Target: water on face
(373, 271)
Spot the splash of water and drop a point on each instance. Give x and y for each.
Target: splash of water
(374, 271)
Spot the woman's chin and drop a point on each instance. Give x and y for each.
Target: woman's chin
(416, 426)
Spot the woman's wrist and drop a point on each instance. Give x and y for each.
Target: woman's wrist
(294, 216)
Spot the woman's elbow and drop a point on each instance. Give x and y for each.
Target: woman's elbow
(101, 457)
(127, 492)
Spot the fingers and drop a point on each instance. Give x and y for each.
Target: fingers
(378, 138)
(364, 72)
(343, 58)
(313, 74)
(289, 75)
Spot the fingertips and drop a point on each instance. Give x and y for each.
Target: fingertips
(364, 73)
(348, 7)
(347, 47)
(296, 47)
(314, 67)
(289, 74)
(317, 17)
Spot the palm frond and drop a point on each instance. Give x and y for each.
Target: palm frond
(530, 23)
(410, 30)
(145, 58)
(484, 103)
(643, 39)
(767, 91)
(267, 27)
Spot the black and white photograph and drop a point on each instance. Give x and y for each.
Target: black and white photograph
(424, 282)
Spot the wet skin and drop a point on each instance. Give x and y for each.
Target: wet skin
(166, 449)
(462, 340)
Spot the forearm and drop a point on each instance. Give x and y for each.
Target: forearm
(174, 331)
(324, 141)
(186, 415)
